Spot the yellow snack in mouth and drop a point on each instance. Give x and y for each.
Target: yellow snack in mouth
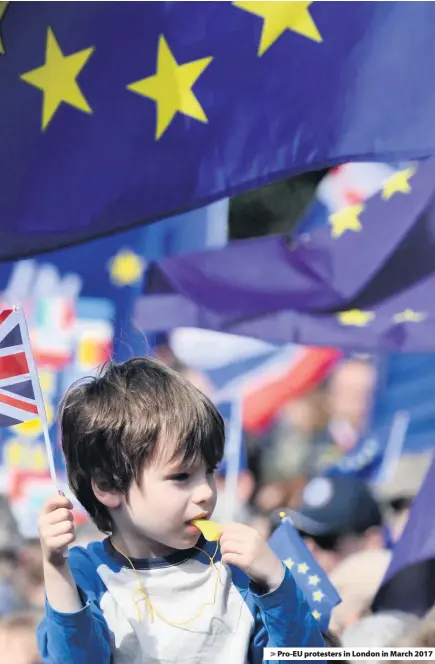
(210, 529)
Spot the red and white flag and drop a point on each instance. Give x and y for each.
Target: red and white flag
(18, 397)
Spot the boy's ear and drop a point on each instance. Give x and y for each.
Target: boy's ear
(104, 493)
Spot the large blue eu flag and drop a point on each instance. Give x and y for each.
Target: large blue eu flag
(113, 114)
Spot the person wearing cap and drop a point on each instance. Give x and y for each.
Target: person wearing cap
(337, 516)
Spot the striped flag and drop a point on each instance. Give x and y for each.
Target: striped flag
(18, 393)
(265, 376)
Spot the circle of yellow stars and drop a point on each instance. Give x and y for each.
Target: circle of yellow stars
(171, 86)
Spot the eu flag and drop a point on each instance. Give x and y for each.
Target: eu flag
(310, 577)
(364, 281)
(113, 114)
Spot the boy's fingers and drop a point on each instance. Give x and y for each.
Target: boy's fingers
(61, 541)
(55, 503)
(61, 529)
(59, 515)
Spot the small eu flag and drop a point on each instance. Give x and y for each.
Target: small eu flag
(310, 577)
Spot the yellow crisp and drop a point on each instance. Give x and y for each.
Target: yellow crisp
(209, 529)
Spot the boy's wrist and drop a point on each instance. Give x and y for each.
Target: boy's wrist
(276, 576)
(55, 561)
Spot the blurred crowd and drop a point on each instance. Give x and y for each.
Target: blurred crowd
(348, 525)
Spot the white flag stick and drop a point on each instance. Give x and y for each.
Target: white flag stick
(37, 391)
(232, 457)
(394, 447)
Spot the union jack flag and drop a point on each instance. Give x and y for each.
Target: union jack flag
(19, 383)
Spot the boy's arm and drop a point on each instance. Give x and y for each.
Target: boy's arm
(78, 636)
(74, 630)
(283, 619)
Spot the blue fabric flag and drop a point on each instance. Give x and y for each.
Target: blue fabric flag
(310, 577)
(409, 583)
(114, 114)
(363, 282)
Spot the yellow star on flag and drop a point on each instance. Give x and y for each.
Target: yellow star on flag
(346, 220)
(289, 562)
(171, 87)
(279, 17)
(356, 317)
(318, 595)
(313, 580)
(316, 614)
(126, 268)
(3, 7)
(57, 79)
(409, 316)
(303, 568)
(398, 182)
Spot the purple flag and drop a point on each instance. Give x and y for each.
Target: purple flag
(364, 281)
(409, 583)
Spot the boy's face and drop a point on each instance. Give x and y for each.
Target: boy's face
(160, 508)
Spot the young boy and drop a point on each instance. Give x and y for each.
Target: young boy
(141, 446)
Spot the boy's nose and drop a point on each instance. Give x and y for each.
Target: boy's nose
(203, 493)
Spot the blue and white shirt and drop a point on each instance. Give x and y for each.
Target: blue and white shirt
(114, 626)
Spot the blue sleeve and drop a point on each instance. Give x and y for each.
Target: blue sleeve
(82, 637)
(283, 618)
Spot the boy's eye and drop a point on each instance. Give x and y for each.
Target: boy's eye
(180, 477)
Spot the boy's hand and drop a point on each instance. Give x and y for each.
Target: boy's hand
(244, 547)
(56, 529)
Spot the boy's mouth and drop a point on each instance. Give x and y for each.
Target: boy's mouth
(204, 515)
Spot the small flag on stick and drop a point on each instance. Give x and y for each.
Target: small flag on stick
(20, 391)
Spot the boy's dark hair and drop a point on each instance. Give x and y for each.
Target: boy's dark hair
(111, 425)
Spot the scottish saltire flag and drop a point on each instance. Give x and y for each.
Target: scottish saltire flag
(18, 402)
(363, 282)
(310, 577)
(122, 113)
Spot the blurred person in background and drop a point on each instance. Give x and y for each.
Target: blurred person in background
(382, 630)
(30, 577)
(397, 493)
(297, 443)
(18, 638)
(423, 634)
(11, 546)
(300, 428)
(349, 395)
(357, 579)
(336, 516)
(313, 432)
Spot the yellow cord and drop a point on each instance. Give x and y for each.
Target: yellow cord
(154, 612)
